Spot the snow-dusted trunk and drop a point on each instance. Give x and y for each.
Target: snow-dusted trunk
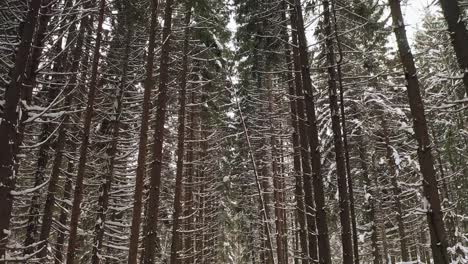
(29, 83)
(111, 152)
(151, 222)
(345, 137)
(10, 122)
(176, 235)
(143, 136)
(426, 160)
(276, 174)
(324, 255)
(394, 172)
(458, 34)
(346, 239)
(88, 115)
(60, 143)
(189, 185)
(370, 199)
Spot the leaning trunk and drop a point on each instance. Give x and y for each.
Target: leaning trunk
(426, 160)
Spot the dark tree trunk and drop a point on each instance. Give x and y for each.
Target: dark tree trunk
(303, 142)
(276, 175)
(151, 231)
(43, 156)
(111, 151)
(370, 199)
(67, 193)
(62, 133)
(394, 171)
(458, 34)
(176, 239)
(88, 115)
(426, 160)
(10, 122)
(345, 140)
(189, 187)
(321, 214)
(143, 136)
(346, 240)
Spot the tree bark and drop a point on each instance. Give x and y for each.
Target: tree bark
(10, 122)
(156, 166)
(346, 240)
(176, 239)
(426, 160)
(324, 255)
(111, 152)
(143, 136)
(62, 133)
(458, 34)
(89, 112)
(394, 172)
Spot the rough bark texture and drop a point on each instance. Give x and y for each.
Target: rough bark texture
(394, 172)
(160, 119)
(458, 35)
(143, 136)
(426, 160)
(62, 135)
(176, 245)
(10, 122)
(346, 239)
(111, 152)
(78, 192)
(321, 215)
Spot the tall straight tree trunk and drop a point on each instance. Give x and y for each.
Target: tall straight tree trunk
(426, 160)
(370, 199)
(111, 151)
(293, 80)
(143, 136)
(189, 187)
(346, 240)
(303, 142)
(458, 34)
(394, 172)
(151, 231)
(10, 122)
(314, 144)
(276, 176)
(29, 83)
(62, 220)
(89, 112)
(176, 236)
(62, 133)
(345, 138)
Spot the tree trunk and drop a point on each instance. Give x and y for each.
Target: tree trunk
(458, 34)
(189, 187)
(156, 166)
(303, 142)
(276, 176)
(62, 133)
(346, 241)
(345, 140)
(9, 136)
(370, 199)
(89, 112)
(143, 136)
(67, 192)
(176, 239)
(426, 160)
(394, 172)
(111, 152)
(321, 214)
